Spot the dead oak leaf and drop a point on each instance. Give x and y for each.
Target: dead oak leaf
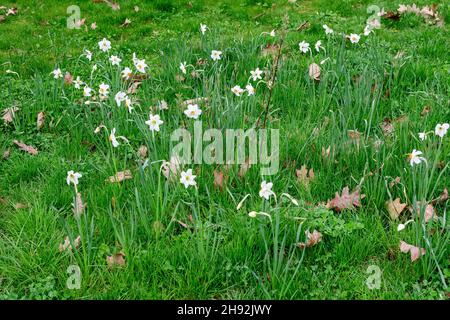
(120, 176)
(314, 71)
(345, 201)
(219, 179)
(395, 208)
(304, 176)
(9, 114)
(116, 260)
(415, 252)
(40, 120)
(22, 146)
(311, 239)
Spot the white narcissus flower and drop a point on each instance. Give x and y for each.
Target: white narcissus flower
(88, 54)
(328, 30)
(193, 111)
(183, 67)
(256, 74)
(422, 136)
(250, 90)
(187, 178)
(103, 89)
(72, 177)
(154, 122)
(272, 33)
(266, 190)
(140, 65)
(354, 38)
(87, 91)
(304, 46)
(57, 73)
(112, 138)
(318, 45)
(127, 73)
(203, 28)
(120, 96)
(237, 90)
(216, 55)
(441, 129)
(415, 157)
(115, 60)
(77, 83)
(104, 45)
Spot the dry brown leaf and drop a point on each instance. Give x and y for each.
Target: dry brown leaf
(19, 206)
(120, 176)
(394, 182)
(311, 239)
(244, 168)
(22, 146)
(387, 127)
(9, 114)
(426, 110)
(345, 201)
(78, 206)
(133, 88)
(354, 134)
(68, 79)
(429, 213)
(442, 198)
(314, 71)
(415, 252)
(304, 176)
(68, 246)
(395, 208)
(6, 154)
(326, 152)
(218, 179)
(2, 18)
(142, 152)
(270, 50)
(116, 260)
(40, 120)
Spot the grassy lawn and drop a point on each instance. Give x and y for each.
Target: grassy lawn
(148, 236)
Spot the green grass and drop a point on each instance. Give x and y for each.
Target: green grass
(224, 253)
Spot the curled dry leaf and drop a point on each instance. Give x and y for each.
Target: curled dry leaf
(66, 245)
(415, 252)
(170, 169)
(429, 211)
(394, 182)
(9, 114)
(387, 127)
(219, 179)
(6, 154)
(116, 260)
(395, 208)
(304, 176)
(345, 201)
(78, 205)
(142, 152)
(68, 79)
(19, 206)
(244, 168)
(442, 198)
(22, 146)
(120, 176)
(314, 71)
(40, 120)
(311, 239)
(133, 88)
(270, 50)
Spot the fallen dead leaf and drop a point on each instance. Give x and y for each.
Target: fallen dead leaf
(244, 168)
(40, 120)
(142, 152)
(304, 176)
(345, 201)
(6, 154)
(415, 252)
(19, 206)
(395, 208)
(311, 239)
(314, 71)
(66, 245)
(120, 176)
(22, 146)
(116, 260)
(9, 114)
(219, 179)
